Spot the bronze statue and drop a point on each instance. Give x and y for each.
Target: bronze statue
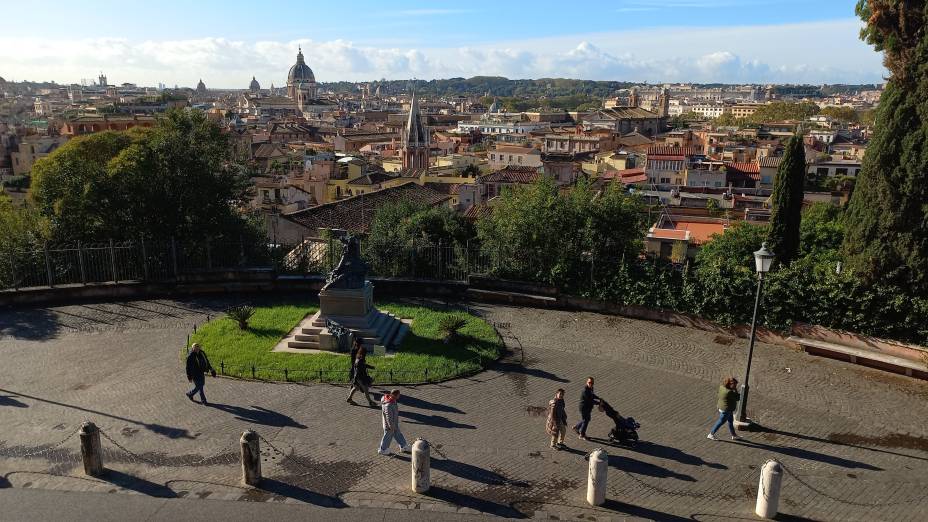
(351, 271)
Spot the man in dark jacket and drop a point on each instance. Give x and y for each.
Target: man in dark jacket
(587, 400)
(197, 367)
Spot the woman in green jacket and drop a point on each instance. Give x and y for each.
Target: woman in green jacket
(728, 402)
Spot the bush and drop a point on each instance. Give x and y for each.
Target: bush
(241, 314)
(451, 325)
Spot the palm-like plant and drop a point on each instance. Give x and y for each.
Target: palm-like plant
(240, 314)
(451, 325)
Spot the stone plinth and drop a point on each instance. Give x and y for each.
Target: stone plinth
(350, 302)
(353, 309)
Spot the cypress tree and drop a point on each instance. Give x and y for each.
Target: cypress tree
(887, 217)
(786, 214)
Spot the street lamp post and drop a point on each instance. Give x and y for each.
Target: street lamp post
(763, 258)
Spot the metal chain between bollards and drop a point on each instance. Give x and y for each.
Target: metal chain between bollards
(6, 451)
(848, 502)
(219, 458)
(311, 471)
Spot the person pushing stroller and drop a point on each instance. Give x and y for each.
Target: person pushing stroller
(625, 429)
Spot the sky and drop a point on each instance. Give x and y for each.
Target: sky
(227, 42)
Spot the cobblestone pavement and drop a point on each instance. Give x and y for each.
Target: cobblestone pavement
(853, 440)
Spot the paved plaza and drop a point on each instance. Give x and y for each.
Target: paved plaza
(853, 440)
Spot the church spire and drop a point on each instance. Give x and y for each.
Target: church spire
(415, 139)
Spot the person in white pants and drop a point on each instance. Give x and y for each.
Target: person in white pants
(391, 423)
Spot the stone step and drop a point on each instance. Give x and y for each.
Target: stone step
(311, 331)
(400, 334)
(387, 338)
(305, 345)
(308, 338)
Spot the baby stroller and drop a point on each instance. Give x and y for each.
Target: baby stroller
(626, 428)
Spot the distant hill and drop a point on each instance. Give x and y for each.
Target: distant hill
(496, 85)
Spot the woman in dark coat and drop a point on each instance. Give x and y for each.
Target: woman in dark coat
(360, 380)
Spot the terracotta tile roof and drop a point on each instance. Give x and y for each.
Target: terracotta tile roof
(669, 150)
(747, 168)
(700, 232)
(511, 174)
(356, 213)
(477, 211)
(770, 161)
(667, 233)
(443, 188)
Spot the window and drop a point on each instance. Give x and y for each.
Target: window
(665, 181)
(821, 171)
(520, 160)
(493, 157)
(841, 171)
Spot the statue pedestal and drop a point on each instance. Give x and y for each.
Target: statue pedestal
(350, 302)
(352, 308)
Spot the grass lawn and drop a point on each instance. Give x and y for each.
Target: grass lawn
(422, 350)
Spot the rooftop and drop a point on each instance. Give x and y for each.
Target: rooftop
(356, 213)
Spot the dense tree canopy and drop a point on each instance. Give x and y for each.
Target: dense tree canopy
(172, 180)
(786, 208)
(405, 238)
(537, 233)
(887, 218)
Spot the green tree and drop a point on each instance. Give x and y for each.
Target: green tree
(725, 273)
(845, 114)
(173, 180)
(403, 236)
(20, 227)
(471, 170)
(536, 233)
(821, 231)
(887, 217)
(782, 111)
(786, 213)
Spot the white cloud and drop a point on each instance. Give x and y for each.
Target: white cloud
(822, 52)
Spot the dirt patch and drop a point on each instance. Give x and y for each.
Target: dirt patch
(724, 340)
(536, 411)
(893, 440)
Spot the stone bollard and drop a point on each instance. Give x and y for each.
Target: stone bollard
(251, 458)
(768, 491)
(596, 484)
(421, 480)
(91, 451)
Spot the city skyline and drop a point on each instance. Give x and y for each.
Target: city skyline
(637, 41)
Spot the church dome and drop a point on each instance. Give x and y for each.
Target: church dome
(300, 72)
(254, 85)
(201, 87)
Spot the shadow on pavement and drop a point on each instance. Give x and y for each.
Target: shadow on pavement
(167, 431)
(479, 504)
(33, 324)
(654, 449)
(259, 415)
(282, 489)
(137, 484)
(513, 367)
(423, 404)
(433, 420)
(801, 436)
(805, 454)
(8, 400)
(474, 473)
(638, 467)
(641, 512)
